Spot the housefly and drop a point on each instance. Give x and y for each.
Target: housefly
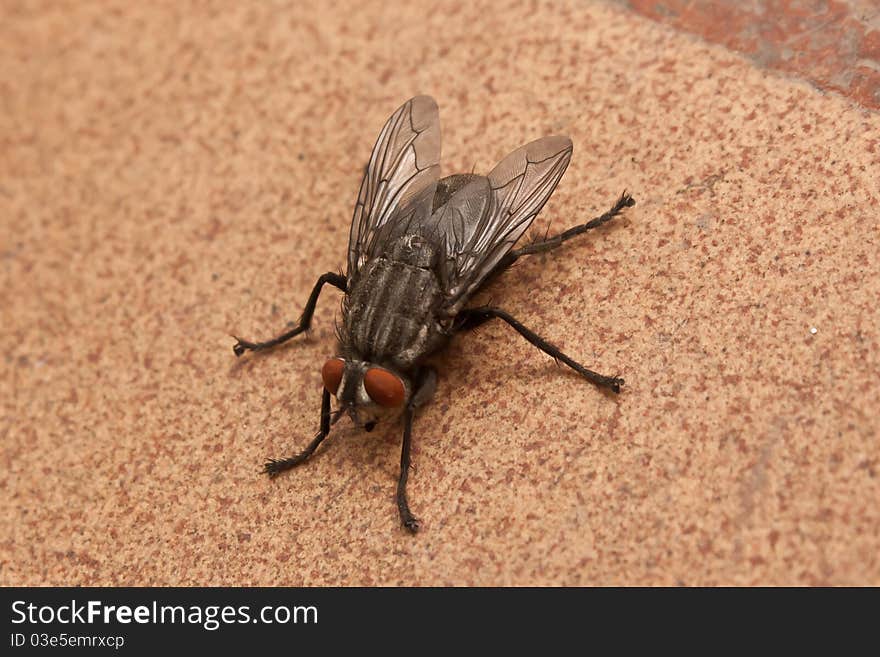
(420, 247)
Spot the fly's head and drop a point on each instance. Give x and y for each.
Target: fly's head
(365, 391)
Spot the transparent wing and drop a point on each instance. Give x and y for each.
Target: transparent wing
(400, 179)
(454, 226)
(478, 234)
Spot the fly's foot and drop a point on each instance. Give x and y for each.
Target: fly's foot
(274, 467)
(407, 519)
(271, 468)
(615, 382)
(612, 383)
(411, 523)
(242, 346)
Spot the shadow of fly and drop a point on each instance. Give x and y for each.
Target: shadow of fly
(420, 247)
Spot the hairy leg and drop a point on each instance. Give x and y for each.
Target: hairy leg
(470, 318)
(274, 467)
(425, 390)
(550, 243)
(305, 321)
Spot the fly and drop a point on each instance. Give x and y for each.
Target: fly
(420, 247)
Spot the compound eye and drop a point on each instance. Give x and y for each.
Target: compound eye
(331, 373)
(383, 387)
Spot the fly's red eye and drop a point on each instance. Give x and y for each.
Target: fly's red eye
(332, 374)
(383, 387)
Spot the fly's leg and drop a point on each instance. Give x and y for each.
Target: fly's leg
(337, 280)
(425, 390)
(407, 519)
(274, 467)
(470, 318)
(550, 243)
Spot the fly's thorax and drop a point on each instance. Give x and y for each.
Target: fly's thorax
(415, 250)
(390, 313)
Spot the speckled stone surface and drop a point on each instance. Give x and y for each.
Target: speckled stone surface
(833, 44)
(169, 177)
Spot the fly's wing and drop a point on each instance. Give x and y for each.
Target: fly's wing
(455, 225)
(516, 189)
(400, 179)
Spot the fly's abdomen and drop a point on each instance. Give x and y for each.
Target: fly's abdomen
(390, 312)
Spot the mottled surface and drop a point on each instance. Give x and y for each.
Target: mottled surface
(835, 44)
(170, 177)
